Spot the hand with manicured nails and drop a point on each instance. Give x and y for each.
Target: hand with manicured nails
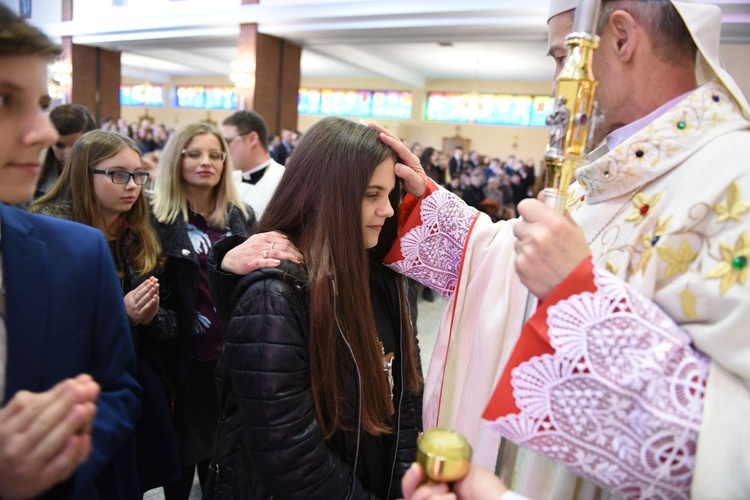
(258, 251)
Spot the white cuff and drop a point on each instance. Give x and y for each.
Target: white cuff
(512, 495)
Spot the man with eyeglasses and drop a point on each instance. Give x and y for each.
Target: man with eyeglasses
(256, 174)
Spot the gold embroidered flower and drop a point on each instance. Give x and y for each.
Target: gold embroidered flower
(642, 206)
(678, 260)
(734, 207)
(733, 267)
(574, 201)
(687, 298)
(649, 242)
(611, 267)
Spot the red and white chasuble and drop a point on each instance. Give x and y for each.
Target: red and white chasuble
(635, 372)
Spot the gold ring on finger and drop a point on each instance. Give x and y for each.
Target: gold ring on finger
(265, 254)
(272, 245)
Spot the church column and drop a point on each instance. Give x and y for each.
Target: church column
(272, 69)
(96, 74)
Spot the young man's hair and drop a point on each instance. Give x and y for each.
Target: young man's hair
(169, 199)
(249, 121)
(75, 189)
(318, 204)
(17, 38)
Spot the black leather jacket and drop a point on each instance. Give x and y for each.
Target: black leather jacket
(269, 443)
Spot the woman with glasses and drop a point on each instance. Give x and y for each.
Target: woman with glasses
(194, 204)
(101, 186)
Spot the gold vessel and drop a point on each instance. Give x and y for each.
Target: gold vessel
(444, 455)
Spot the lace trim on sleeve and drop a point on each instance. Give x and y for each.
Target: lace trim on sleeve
(620, 401)
(432, 252)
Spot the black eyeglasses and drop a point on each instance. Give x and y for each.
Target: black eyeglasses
(230, 139)
(123, 176)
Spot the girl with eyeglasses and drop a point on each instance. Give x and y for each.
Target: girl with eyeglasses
(320, 372)
(194, 204)
(101, 186)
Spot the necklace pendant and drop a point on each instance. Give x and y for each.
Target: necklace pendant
(388, 366)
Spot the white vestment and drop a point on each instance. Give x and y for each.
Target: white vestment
(668, 212)
(259, 194)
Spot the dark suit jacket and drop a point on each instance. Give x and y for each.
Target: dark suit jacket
(455, 166)
(281, 152)
(65, 316)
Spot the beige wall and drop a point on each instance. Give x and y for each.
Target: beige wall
(524, 142)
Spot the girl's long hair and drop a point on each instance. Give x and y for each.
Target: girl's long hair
(67, 119)
(170, 197)
(76, 188)
(318, 204)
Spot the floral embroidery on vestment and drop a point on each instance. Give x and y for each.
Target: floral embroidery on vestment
(432, 251)
(621, 399)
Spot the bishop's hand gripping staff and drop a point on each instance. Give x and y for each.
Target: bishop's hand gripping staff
(571, 125)
(571, 121)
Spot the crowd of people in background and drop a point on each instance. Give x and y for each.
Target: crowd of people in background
(489, 184)
(154, 323)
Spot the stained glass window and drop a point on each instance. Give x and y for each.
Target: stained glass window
(142, 95)
(203, 97)
(488, 109)
(356, 103)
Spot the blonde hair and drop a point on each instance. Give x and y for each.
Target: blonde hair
(170, 199)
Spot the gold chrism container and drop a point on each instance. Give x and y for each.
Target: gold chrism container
(444, 455)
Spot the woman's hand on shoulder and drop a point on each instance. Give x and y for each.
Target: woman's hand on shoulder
(409, 168)
(259, 251)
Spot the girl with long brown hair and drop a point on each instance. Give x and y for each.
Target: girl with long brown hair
(101, 186)
(321, 381)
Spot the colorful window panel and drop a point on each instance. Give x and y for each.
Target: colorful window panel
(391, 104)
(356, 103)
(202, 97)
(488, 109)
(142, 95)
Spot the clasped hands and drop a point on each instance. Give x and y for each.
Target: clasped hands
(44, 437)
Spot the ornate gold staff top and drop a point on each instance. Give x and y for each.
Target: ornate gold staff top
(570, 127)
(571, 116)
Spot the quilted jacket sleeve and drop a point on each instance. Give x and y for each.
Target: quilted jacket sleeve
(268, 367)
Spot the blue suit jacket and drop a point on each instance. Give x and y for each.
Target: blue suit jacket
(65, 316)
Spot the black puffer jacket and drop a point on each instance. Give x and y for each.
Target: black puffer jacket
(178, 288)
(269, 441)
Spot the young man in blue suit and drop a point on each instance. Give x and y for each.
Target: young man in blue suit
(68, 396)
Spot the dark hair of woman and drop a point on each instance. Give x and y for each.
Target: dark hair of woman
(67, 119)
(322, 215)
(426, 158)
(76, 187)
